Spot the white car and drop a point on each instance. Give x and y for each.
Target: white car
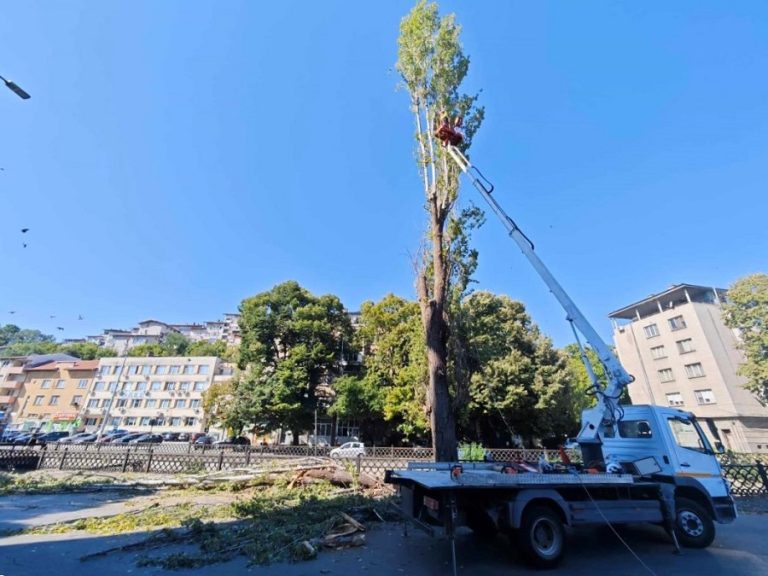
(349, 450)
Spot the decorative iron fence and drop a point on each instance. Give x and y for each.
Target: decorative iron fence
(746, 478)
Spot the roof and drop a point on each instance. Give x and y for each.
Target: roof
(44, 367)
(152, 321)
(86, 365)
(37, 359)
(674, 295)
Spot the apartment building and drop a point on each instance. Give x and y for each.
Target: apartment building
(53, 394)
(681, 353)
(147, 393)
(121, 341)
(11, 384)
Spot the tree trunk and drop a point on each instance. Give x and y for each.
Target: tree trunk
(442, 420)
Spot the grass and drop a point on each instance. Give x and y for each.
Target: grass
(13, 483)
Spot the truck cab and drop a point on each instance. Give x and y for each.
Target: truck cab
(668, 445)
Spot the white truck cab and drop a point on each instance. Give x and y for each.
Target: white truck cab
(668, 445)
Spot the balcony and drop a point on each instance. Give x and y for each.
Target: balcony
(7, 399)
(10, 385)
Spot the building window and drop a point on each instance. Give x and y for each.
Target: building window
(651, 330)
(82, 384)
(118, 370)
(121, 403)
(130, 421)
(145, 420)
(175, 421)
(685, 346)
(141, 386)
(666, 375)
(704, 397)
(194, 403)
(136, 403)
(676, 323)
(60, 384)
(155, 386)
(54, 401)
(106, 403)
(127, 386)
(91, 421)
(170, 386)
(133, 369)
(199, 386)
(46, 384)
(180, 404)
(38, 401)
(145, 370)
(77, 400)
(189, 421)
(161, 369)
(203, 369)
(174, 370)
(658, 352)
(115, 422)
(150, 404)
(675, 399)
(113, 386)
(184, 386)
(93, 403)
(189, 369)
(165, 403)
(104, 370)
(694, 370)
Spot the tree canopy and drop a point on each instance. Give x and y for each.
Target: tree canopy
(746, 311)
(291, 346)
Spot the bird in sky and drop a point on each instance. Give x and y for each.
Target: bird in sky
(52, 316)
(59, 328)
(24, 230)
(79, 316)
(11, 311)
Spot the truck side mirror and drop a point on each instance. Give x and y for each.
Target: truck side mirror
(719, 448)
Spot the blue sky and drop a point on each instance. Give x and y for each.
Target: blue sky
(176, 157)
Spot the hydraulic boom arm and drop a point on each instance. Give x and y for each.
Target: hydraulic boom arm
(607, 407)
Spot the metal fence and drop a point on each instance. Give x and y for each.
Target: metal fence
(746, 477)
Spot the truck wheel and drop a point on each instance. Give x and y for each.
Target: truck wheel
(541, 537)
(693, 525)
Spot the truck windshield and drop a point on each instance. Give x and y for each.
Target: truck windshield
(688, 435)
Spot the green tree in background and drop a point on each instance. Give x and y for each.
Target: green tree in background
(393, 385)
(432, 66)
(86, 350)
(747, 312)
(519, 381)
(291, 343)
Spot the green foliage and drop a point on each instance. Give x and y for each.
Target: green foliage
(519, 383)
(291, 341)
(86, 350)
(218, 407)
(472, 452)
(153, 349)
(747, 312)
(395, 367)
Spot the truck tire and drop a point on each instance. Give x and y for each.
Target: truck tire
(541, 538)
(694, 527)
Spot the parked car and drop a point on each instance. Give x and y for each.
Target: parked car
(202, 441)
(9, 435)
(73, 437)
(128, 437)
(193, 437)
(349, 450)
(235, 440)
(112, 437)
(87, 438)
(52, 437)
(170, 436)
(147, 439)
(183, 437)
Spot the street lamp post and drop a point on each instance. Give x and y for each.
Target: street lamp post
(16, 89)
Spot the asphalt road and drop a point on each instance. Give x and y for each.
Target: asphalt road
(740, 549)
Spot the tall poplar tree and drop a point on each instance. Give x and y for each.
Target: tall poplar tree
(432, 65)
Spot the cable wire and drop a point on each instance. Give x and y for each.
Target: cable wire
(624, 542)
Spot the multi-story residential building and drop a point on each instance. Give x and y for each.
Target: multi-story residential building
(53, 394)
(11, 385)
(681, 353)
(147, 332)
(148, 393)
